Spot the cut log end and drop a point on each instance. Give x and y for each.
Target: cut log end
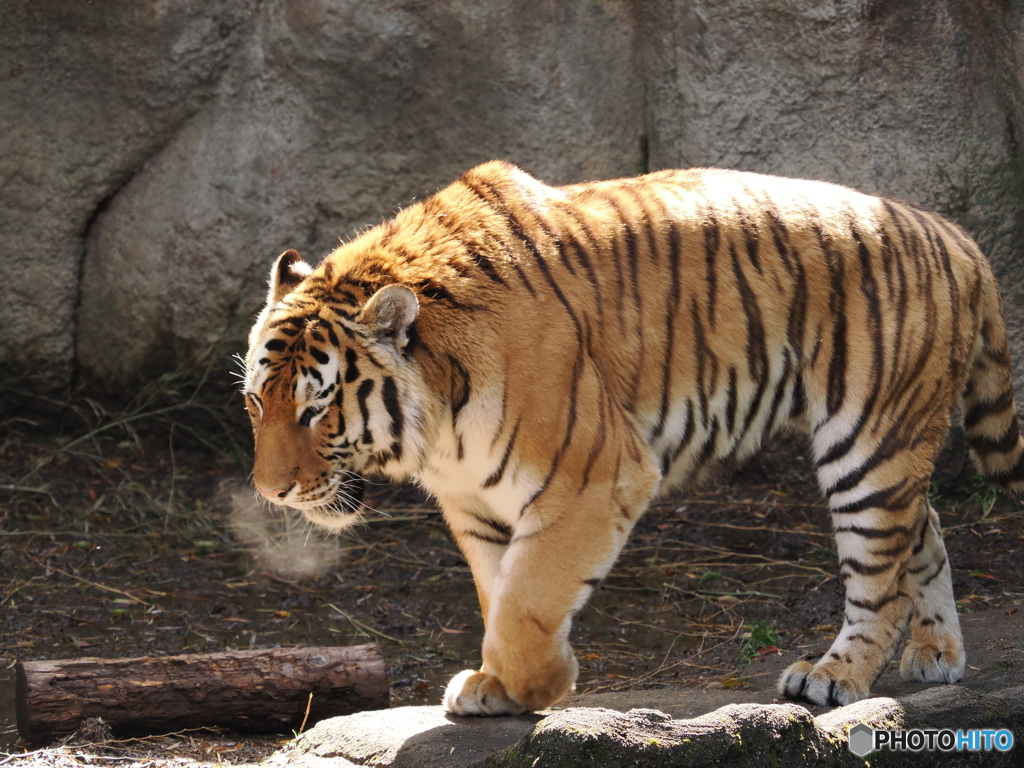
(264, 691)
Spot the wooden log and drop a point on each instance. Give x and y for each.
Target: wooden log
(263, 691)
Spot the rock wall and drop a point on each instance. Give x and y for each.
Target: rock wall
(157, 156)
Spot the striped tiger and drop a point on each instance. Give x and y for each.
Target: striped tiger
(547, 360)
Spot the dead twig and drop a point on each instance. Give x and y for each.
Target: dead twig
(363, 627)
(757, 528)
(97, 585)
(704, 593)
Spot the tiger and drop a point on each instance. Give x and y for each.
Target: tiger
(545, 361)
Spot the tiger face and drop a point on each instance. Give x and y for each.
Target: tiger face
(329, 392)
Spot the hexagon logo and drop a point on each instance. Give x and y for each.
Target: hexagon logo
(861, 739)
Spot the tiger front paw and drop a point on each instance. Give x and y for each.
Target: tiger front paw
(930, 663)
(479, 694)
(822, 683)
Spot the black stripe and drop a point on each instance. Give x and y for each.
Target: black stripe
(1012, 475)
(500, 528)
(669, 457)
(874, 605)
(352, 369)
(836, 388)
(891, 442)
(555, 240)
(485, 265)
(956, 364)
(869, 289)
(799, 397)
(924, 333)
(461, 388)
(582, 250)
(874, 533)
(494, 198)
(671, 309)
(780, 393)
(780, 236)
(577, 248)
(434, 290)
(338, 398)
(712, 241)
(757, 346)
(864, 569)
(599, 440)
(751, 235)
(495, 478)
(331, 335)
(707, 451)
(863, 638)
(706, 359)
(921, 537)
(365, 388)
(730, 401)
(843, 447)
(633, 258)
(886, 498)
(497, 540)
(393, 407)
(979, 410)
(938, 570)
(986, 446)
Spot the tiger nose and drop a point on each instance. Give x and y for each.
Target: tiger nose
(273, 494)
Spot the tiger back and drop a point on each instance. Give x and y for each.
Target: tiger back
(547, 360)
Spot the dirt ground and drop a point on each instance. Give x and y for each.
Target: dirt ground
(129, 530)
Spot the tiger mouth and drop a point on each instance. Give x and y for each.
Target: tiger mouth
(339, 497)
(338, 507)
(351, 490)
(343, 495)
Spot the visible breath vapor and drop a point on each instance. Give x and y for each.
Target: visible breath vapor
(281, 541)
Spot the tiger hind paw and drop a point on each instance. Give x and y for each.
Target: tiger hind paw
(929, 663)
(479, 694)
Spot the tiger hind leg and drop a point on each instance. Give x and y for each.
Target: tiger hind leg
(935, 653)
(876, 614)
(891, 559)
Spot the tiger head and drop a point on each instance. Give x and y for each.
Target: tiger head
(330, 390)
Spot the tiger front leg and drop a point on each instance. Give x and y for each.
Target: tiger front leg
(566, 541)
(544, 579)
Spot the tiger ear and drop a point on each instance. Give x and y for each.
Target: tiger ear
(288, 271)
(390, 312)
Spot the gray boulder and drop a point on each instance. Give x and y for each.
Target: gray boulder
(333, 115)
(740, 735)
(157, 158)
(89, 94)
